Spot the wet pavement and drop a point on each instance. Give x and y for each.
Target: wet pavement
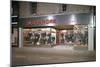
(50, 55)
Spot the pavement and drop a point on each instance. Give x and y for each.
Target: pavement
(50, 55)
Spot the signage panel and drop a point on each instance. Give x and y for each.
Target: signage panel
(69, 19)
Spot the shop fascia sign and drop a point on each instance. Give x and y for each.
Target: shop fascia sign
(40, 22)
(43, 21)
(71, 19)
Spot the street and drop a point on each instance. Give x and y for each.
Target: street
(49, 55)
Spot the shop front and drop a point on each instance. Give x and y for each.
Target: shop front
(71, 29)
(39, 33)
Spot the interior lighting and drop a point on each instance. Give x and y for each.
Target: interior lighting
(50, 17)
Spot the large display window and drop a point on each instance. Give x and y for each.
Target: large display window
(78, 35)
(39, 36)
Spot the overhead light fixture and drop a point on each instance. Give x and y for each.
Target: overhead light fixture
(64, 31)
(50, 17)
(73, 23)
(73, 20)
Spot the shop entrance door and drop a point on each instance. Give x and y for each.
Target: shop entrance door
(64, 34)
(66, 37)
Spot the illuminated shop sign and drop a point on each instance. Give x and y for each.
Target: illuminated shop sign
(31, 23)
(43, 21)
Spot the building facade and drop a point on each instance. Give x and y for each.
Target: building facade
(50, 8)
(55, 24)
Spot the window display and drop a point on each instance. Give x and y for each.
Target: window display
(39, 36)
(47, 36)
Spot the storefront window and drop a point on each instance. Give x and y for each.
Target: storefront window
(49, 36)
(39, 36)
(76, 36)
(81, 34)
